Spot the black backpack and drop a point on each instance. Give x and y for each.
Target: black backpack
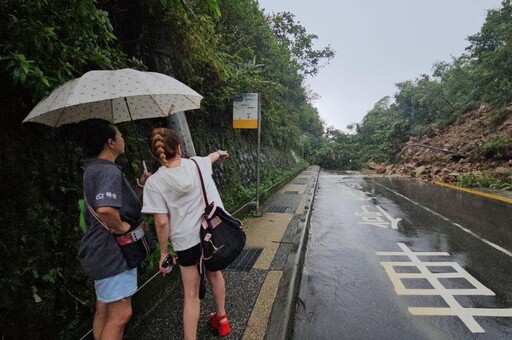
(222, 238)
(222, 235)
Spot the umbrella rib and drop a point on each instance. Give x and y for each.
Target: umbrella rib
(190, 100)
(112, 109)
(156, 103)
(136, 131)
(60, 116)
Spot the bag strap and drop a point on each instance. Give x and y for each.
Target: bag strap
(93, 213)
(201, 260)
(203, 190)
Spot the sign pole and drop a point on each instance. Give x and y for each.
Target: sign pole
(258, 161)
(247, 115)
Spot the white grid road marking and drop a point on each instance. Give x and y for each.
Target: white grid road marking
(466, 315)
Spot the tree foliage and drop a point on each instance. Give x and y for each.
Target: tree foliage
(295, 38)
(43, 44)
(491, 56)
(220, 49)
(482, 74)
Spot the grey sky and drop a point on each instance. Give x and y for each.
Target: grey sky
(379, 43)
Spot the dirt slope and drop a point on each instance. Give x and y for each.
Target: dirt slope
(465, 138)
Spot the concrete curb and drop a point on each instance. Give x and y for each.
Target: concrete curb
(280, 324)
(477, 192)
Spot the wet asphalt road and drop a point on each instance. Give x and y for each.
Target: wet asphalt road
(399, 259)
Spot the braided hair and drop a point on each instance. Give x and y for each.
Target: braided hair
(163, 144)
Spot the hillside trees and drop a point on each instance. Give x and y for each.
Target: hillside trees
(295, 38)
(482, 74)
(338, 151)
(380, 132)
(490, 53)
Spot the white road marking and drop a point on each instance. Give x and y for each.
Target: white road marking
(375, 218)
(466, 315)
(495, 246)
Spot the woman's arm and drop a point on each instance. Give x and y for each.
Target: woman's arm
(219, 154)
(162, 231)
(139, 189)
(110, 216)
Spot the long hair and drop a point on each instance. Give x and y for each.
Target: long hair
(163, 144)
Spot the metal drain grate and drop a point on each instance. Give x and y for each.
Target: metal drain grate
(290, 192)
(300, 181)
(245, 261)
(275, 209)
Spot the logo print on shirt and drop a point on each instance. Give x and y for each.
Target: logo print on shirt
(108, 194)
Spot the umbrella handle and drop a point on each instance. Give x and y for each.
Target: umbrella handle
(144, 165)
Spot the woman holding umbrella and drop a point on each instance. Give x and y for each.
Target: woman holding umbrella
(114, 204)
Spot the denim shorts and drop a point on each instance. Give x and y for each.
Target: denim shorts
(116, 287)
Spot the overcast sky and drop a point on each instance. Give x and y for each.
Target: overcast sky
(379, 43)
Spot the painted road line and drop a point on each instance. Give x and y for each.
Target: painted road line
(375, 218)
(454, 308)
(476, 192)
(495, 246)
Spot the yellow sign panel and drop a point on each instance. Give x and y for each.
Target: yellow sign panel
(246, 111)
(245, 124)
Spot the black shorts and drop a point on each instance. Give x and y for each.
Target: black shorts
(190, 256)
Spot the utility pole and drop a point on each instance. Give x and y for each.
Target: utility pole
(178, 122)
(161, 62)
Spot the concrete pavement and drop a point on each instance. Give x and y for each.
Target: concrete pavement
(261, 285)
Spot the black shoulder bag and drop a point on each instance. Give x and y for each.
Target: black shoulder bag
(136, 244)
(222, 235)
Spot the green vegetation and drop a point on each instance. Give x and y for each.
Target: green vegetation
(489, 179)
(499, 148)
(483, 74)
(220, 49)
(237, 194)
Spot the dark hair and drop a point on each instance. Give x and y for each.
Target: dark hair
(163, 144)
(95, 133)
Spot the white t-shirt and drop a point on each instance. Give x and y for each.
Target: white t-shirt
(177, 192)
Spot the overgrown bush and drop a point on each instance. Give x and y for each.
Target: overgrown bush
(489, 179)
(499, 115)
(499, 147)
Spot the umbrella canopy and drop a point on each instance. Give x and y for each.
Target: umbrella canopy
(117, 96)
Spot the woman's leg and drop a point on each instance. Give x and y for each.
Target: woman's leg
(191, 305)
(100, 317)
(112, 310)
(118, 314)
(218, 289)
(219, 320)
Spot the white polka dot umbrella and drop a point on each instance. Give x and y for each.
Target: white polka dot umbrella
(117, 96)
